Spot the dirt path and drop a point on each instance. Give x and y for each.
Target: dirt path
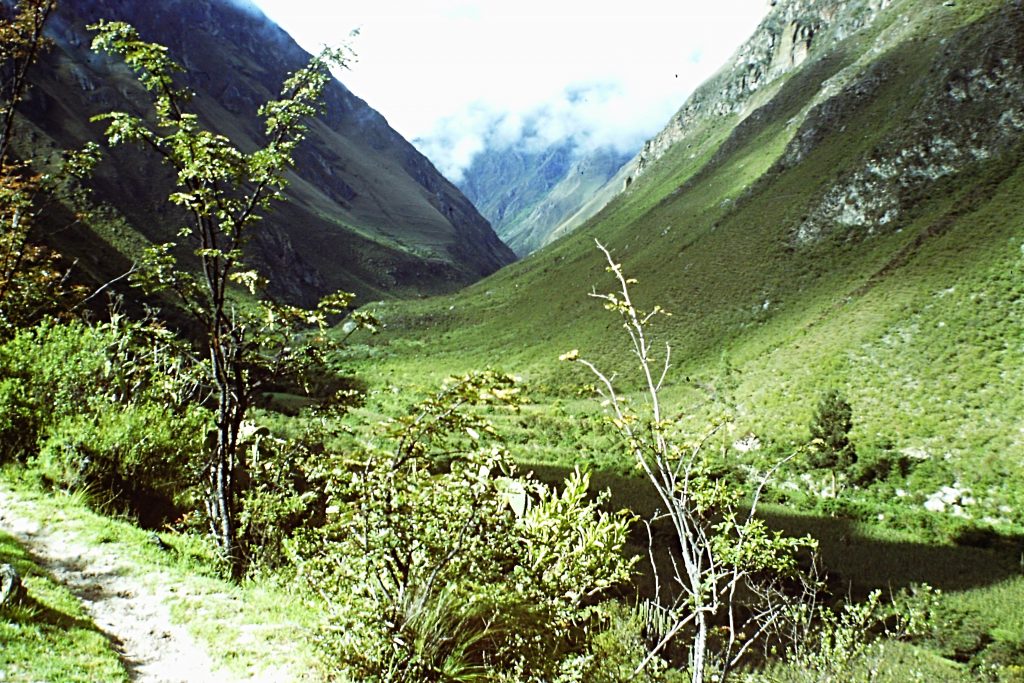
(128, 606)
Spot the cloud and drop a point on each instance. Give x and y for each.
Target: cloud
(459, 76)
(589, 116)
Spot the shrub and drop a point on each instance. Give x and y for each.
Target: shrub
(18, 419)
(284, 493)
(138, 456)
(831, 447)
(619, 645)
(878, 467)
(726, 565)
(110, 407)
(438, 562)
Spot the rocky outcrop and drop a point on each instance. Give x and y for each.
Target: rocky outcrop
(793, 31)
(971, 111)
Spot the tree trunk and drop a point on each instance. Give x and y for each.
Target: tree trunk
(222, 494)
(700, 647)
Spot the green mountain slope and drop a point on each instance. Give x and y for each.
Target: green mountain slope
(851, 221)
(367, 212)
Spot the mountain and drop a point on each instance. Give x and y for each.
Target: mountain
(527, 194)
(366, 212)
(792, 34)
(842, 206)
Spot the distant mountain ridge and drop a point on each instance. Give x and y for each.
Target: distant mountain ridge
(792, 32)
(367, 212)
(527, 194)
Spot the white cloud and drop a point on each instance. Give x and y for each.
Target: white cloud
(462, 75)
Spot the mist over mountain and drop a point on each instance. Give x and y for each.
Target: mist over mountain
(366, 211)
(585, 118)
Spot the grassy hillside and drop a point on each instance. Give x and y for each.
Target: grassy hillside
(916, 318)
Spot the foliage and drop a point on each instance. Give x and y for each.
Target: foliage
(225, 190)
(138, 456)
(284, 494)
(109, 407)
(847, 643)
(439, 560)
(32, 281)
(830, 446)
(620, 644)
(726, 592)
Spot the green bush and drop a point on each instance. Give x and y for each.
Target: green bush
(139, 457)
(620, 645)
(19, 420)
(881, 466)
(439, 562)
(51, 371)
(111, 408)
(283, 494)
(831, 447)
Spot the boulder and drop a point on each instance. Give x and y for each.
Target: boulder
(10, 585)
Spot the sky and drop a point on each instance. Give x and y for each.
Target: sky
(457, 77)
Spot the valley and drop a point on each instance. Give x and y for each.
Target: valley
(822, 252)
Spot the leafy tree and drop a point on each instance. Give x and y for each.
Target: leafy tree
(21, 44)
(31, 279)
(440, 562)
(248, 338)
(727, 591)
(830, 446)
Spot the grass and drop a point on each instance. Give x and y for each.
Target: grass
(47, 636)
(262, 627)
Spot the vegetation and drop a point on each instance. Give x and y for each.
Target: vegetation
(730, 567)
(502, 529)
(47, 635)
(831, 447)
(32, 280)
(225, 191)
(110, 408)
(442, 562)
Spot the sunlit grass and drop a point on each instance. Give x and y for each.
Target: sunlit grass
(262, 627)
(47, 636)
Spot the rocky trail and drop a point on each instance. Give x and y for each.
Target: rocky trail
(128, 604)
